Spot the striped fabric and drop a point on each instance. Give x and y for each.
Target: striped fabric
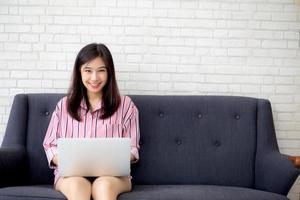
(123, 123)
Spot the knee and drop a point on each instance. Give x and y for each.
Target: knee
(103, 184)
(80, 184)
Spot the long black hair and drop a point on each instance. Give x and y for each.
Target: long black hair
(77, 92)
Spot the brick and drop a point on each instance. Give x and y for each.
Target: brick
(221, 14)
(274, 25)
(238, 52)
(134, 58)
(108, 3)
(214, 60)
(144, 4)
(209, 5)
(17, 28)
(274, 44)
(31, 10)
(122, 12)
(260, 61)
(29, 83)
(182, 13)
(62, 3)
(284, 80)
(262, 16)
(29, 37)
(19, 47)
(138, 13)
(10, 19)
(233, 43)
(18, 74)
(166, 68)
(99, 11)
(167, 4)
(4, 10)
(38, 28)
(250, 88)
(61, 84)
(284, 17)
(287, 89)
(186, 59)
(121, 76)
(219, 79)
(145, 76)
(66, 38)
(269, 7)
(52, 56)
(146, 86)
(186, 68)
(54, 10)
(188, 87)
(38, 2)
(77, 11)
(283, 53)
(165, 86)
(165, 76)
(35, 75)
(289, 71)
(70, 20)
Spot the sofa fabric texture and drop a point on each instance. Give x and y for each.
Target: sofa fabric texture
(192, 147)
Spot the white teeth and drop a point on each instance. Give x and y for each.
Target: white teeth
(94, 84)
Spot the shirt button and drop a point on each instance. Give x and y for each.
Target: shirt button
(47, 113)
(199, 115)
(237, 116)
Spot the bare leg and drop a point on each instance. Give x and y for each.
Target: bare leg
(109, 187)
(74, 188)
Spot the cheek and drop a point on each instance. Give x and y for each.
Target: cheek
(104, 77)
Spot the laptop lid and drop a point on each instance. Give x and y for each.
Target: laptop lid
(94, 156)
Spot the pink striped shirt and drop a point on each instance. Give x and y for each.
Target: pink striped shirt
(123, 123)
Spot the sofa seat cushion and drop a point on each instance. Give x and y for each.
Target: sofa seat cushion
(196, 192)
(150, 192)
(34, 192)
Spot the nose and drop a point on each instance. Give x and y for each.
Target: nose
(94, 76)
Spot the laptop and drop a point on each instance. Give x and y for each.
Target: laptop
(93, 157)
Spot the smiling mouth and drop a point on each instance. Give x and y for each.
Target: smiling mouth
(94, 85)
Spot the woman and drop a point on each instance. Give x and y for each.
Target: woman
(92, 108)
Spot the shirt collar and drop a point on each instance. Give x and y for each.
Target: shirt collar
(84, 106)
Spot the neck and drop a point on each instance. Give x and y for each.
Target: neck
(94, 97)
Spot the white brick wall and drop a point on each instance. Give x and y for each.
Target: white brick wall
(248, 48)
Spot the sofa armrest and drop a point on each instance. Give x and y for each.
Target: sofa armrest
(12, 166)
(275, 173)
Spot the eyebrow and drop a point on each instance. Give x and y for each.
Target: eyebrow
(87, 67)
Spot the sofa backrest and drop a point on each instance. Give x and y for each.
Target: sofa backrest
(196, 140)
(184, 139)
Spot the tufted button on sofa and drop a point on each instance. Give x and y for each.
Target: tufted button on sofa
(191, 148)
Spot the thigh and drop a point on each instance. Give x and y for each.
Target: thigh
(111, 184)
(71, 186)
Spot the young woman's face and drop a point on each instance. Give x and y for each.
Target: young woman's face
(94, 76)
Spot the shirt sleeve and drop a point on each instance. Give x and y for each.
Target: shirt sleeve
(52, 134)
(131, 129)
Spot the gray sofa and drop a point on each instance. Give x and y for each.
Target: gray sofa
(192, 148)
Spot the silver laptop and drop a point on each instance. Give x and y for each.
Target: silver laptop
(94, 156)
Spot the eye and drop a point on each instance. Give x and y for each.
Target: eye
(87, 70)
(102, 70)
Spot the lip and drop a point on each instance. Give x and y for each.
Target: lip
(95, 85)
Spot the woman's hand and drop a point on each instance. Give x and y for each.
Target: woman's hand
(132, 158)
(55, 160)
